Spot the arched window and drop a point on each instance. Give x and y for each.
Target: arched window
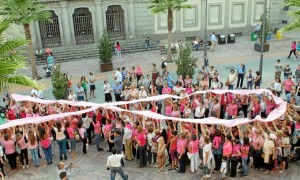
(115, 22)
(83, 26)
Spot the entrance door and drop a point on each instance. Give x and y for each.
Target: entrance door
(83, 26)
(115, 22)
(50, 33)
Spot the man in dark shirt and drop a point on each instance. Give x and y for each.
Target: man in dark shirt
(118, 141)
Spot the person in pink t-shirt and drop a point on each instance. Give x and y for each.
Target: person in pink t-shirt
(257, 142)
(142, 148)
(288, 85)
(166, 89)
(227, 150)
(232, 110)
(236, 152)
(244, 155)
(181, 150)
(97, 130)
(20, 139)
(193, 147)
(71, 135)
(10, 150)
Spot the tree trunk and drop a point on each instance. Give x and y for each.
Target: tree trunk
(30, 50)
(170, 28)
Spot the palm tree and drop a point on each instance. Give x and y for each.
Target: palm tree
(11, 61)
(295, 25)
(168, 6)
(24, 12)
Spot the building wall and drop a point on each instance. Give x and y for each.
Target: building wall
(224, 17)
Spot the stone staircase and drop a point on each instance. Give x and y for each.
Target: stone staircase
(84, 51)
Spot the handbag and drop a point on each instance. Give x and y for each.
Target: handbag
(227, 83)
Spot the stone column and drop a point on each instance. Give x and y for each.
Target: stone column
(131, 23)
(226, 23)
(66, 27)
(99, 19)
(249, 14)
(203, 19)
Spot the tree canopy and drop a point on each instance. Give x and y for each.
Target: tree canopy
(294, 14)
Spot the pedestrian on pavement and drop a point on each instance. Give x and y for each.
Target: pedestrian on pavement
(213, 40)
(84, 83)
(278, 69)
(298, 48)
(297, 75)
(154, 72)
(241, 71)
(92, 85)
(118, 50)
(117, 89)
(118, 76)
(231, 79)
(80, 92)
(293, 50)
(163, 66)
(277, 87)
(287, 72)
(118, 142)
(113, 163)
(107, 92)
(288, 85)
(250, 78)
(257, 80)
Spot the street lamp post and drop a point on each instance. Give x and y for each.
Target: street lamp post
(263, 39)
(205, 36)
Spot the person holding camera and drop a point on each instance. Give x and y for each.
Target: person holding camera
(114, 165)
(118, 142)
(61, 168)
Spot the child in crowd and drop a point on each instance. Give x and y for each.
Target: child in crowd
(223, 169)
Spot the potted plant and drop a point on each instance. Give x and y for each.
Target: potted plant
(266, 46)
(186, 63)
(105, 54)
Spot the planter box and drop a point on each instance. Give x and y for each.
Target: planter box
(104, 67)
(257, 47)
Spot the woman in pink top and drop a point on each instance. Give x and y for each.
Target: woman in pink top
(46, 143)
(227, 150)
(187, 80)
(217, 149)
(139, 71)
(257, 142)
(245, 148)
(189, 89)
(193, 147)
(293, 49)
(118, 50)
(33, 147)
(168, 108)
(288, 85)
(256, 108)
(20, 139)
(97, 131)
(232, 110)
(72, 139)
(236, 152)
(181, 150)
(166, 89)
(10, 150)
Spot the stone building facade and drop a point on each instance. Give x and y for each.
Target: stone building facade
(77, 22)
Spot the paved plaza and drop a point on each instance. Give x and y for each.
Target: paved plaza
(225, 57)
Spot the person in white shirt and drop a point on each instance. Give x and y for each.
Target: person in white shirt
(223, 168)
(118, 75)
(72, 96)
(107, 91)
(199, 111)
(127, 139)
(114, 164)
(40, 94)
(142, 93)
(35, 93)
(207, 156)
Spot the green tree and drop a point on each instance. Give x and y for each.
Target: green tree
(295, 15)
(186, 63)
(267, 29)
(59, 83)
(24, 12)
(11, 62)
(168, 7)
(105, 49)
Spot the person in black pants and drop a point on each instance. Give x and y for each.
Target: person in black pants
(117, 142)
(241, 70)
(182, 154)
(82, 134)
(142, 148)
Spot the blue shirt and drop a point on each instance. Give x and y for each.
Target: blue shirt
(213, 38)
(170, 81)
(117, 89)
(241, 70)
(289, 96)
(50, 60)
(80, 91)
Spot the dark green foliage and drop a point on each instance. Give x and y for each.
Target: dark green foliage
(186, 63)
(105, 49)
(59, 83)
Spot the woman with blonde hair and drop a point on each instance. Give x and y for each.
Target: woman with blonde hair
(33, 147)
(161, 157)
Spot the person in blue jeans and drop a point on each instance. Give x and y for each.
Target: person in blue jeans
(114, 164)
(33, 148)
(245, 155)
(46, 143)
(61, 140)
(80, 92)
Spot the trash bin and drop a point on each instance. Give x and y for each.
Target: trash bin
(231, 38)
(253, 36)
(278, 34)
(275, 30)
(222, 39)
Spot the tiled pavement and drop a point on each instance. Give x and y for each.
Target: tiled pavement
(226, 56)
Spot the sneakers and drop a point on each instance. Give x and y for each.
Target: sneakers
(171, 170)
(23, 167)
(61, 158)
(27, 166)
(66, 158)
(69, 150)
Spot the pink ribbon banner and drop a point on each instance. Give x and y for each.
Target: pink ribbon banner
(278, 112)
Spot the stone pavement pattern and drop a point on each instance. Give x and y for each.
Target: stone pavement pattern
(224, 58)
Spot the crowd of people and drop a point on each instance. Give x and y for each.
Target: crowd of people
(161, 143)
